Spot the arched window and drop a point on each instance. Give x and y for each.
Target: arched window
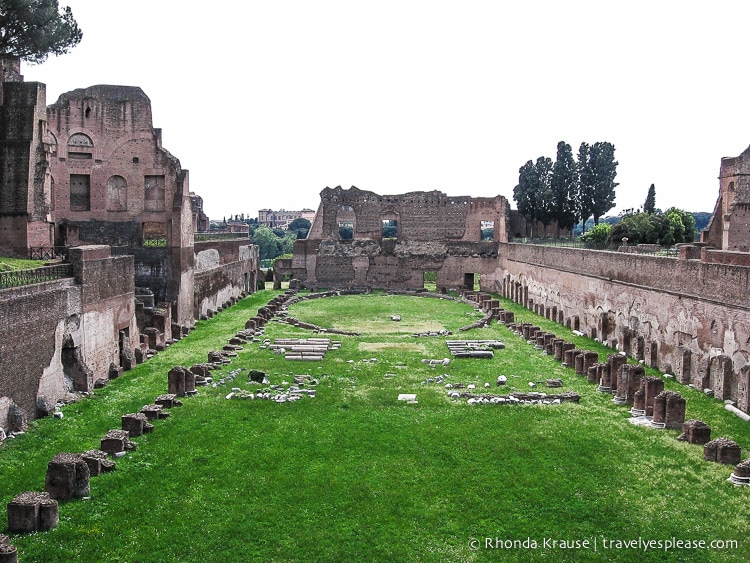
(117, 193)
(52, 142)
(80, 140)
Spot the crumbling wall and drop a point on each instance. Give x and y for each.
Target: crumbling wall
(677, 315)
(430, 232)
(225, 272)
(61, 336)
(115, 184)
(729, 228)
(24, 179)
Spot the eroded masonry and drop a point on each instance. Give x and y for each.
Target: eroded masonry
(87, 182)
(686, 315)
(365, 240)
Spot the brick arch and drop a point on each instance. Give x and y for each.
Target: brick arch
(80, 140)
(117, 193)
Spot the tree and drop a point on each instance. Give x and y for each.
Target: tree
(605, 170)
(543, 181)
(598, 234)
(300, 226)
(564, 188)
(665, 229)
(524, 194)
(533, 194)
(34, 29)
(682, 224)
(597, 169)
(650, 205)
(268, 243)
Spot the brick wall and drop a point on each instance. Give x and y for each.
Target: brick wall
(62, 336)
(683, 316)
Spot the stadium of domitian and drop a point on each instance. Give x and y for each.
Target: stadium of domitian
(349, 378)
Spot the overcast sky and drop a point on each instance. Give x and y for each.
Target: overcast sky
(268, 102)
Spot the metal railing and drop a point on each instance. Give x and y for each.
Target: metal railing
(48, 252)
(16, 278)
(154, 242)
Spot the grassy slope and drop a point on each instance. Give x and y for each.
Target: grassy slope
(7, 263)
(355, 475)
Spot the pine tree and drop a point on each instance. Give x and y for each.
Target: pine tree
(563, 184)
(650, 205)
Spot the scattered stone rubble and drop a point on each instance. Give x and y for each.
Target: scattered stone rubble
(303, 386)
(8, 552)
(474, 348)
(432, 333)
(517, 398)
(304, 349)
(31, 512)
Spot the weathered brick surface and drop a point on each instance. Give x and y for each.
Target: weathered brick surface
(63, 332)
(134, 189)
(678, 312)
(435, 233)
(24, 186)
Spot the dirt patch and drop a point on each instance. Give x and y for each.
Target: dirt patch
(380, 346)
(388, 326)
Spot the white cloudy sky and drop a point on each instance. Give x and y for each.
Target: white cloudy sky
(268, 102)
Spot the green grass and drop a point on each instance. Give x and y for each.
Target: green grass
(8, 264)
(356, 475)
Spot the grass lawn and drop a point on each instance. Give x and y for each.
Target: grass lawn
(356, 475)
(8, 264)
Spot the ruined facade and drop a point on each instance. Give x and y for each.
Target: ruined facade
(25, 184)
(361, 239)
(729, 228)
(88, 178)
(114, 183)
(62, 336)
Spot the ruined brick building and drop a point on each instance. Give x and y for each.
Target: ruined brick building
(361, 239)
(88, 176)
(729, 228)
(113, 183)
(686, 315)
(25, 198)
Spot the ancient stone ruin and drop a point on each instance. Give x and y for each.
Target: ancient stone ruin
(8, 552)
(304, 349)
(181, 381)
(67, 477)
(722, 450)
(474, 348)
(695, 432)
(741, 474)
(117, 442)
(32, 512)
(98, 462)
(669, 410)
(361, 239)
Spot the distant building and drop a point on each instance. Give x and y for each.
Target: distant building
(280, 219)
